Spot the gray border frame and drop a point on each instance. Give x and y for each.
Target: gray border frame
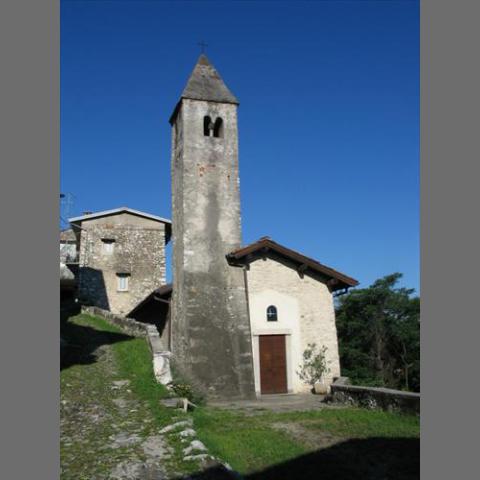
(449, 237)
(30, 82)
(449, 232)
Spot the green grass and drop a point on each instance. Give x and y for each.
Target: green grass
(246, 443)
(250, 443)
(133, 361)
(354, 422)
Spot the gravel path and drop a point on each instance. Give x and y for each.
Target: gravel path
(108, 433)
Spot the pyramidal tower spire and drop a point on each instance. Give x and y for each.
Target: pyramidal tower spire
(211, 338)
(206, 84)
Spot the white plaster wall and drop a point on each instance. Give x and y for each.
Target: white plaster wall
(305, 315)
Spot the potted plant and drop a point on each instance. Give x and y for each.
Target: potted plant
(315, 368)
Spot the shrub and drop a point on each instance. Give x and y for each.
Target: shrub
(181, 387)
(314, 366)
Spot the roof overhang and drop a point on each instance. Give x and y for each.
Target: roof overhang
(116, 211)
(162, 294)
(334, 279)
(76, 221)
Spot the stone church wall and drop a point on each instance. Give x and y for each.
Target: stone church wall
(305, 314)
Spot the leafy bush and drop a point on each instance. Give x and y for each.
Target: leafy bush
(314, 366)
(181, 387)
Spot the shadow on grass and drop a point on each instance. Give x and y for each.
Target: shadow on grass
(82, 343)
(366, 459)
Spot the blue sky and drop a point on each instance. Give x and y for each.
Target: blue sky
(328, 117)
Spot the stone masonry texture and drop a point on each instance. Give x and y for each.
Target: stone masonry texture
(138, 251)
(371, 397)
(211, 330)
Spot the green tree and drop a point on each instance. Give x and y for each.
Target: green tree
(379, 334)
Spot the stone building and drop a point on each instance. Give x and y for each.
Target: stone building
(68, 263)
(121, 257)
(210, 326)
(241, 318)
(236, 319)
(290, 300)
(68, 246)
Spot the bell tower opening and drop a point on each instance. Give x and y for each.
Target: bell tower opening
(207, 126)
(218, 128)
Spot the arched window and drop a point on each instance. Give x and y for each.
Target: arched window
(218, 128)
(207, 125)
(272, 314)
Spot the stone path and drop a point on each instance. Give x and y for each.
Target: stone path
(107, 433)
(275, 403)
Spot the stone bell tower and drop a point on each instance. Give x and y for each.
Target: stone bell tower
(211, 340)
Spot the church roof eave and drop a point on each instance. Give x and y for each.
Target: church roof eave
(337, 280)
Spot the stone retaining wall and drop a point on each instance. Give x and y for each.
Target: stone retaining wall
(371, 397)
(128, 325)
(161, 356)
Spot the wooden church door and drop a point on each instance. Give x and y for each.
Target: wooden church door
(273, 364)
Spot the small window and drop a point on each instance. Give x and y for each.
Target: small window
(218, 128)
(108, 245)
(207, 126)
(123, 281)
(272, 314)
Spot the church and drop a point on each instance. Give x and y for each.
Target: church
(241, 316)
(236, 318)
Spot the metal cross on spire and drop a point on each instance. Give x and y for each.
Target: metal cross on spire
(202, 45)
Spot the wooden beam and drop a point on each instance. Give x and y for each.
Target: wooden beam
(302, 268)
(158, 299)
